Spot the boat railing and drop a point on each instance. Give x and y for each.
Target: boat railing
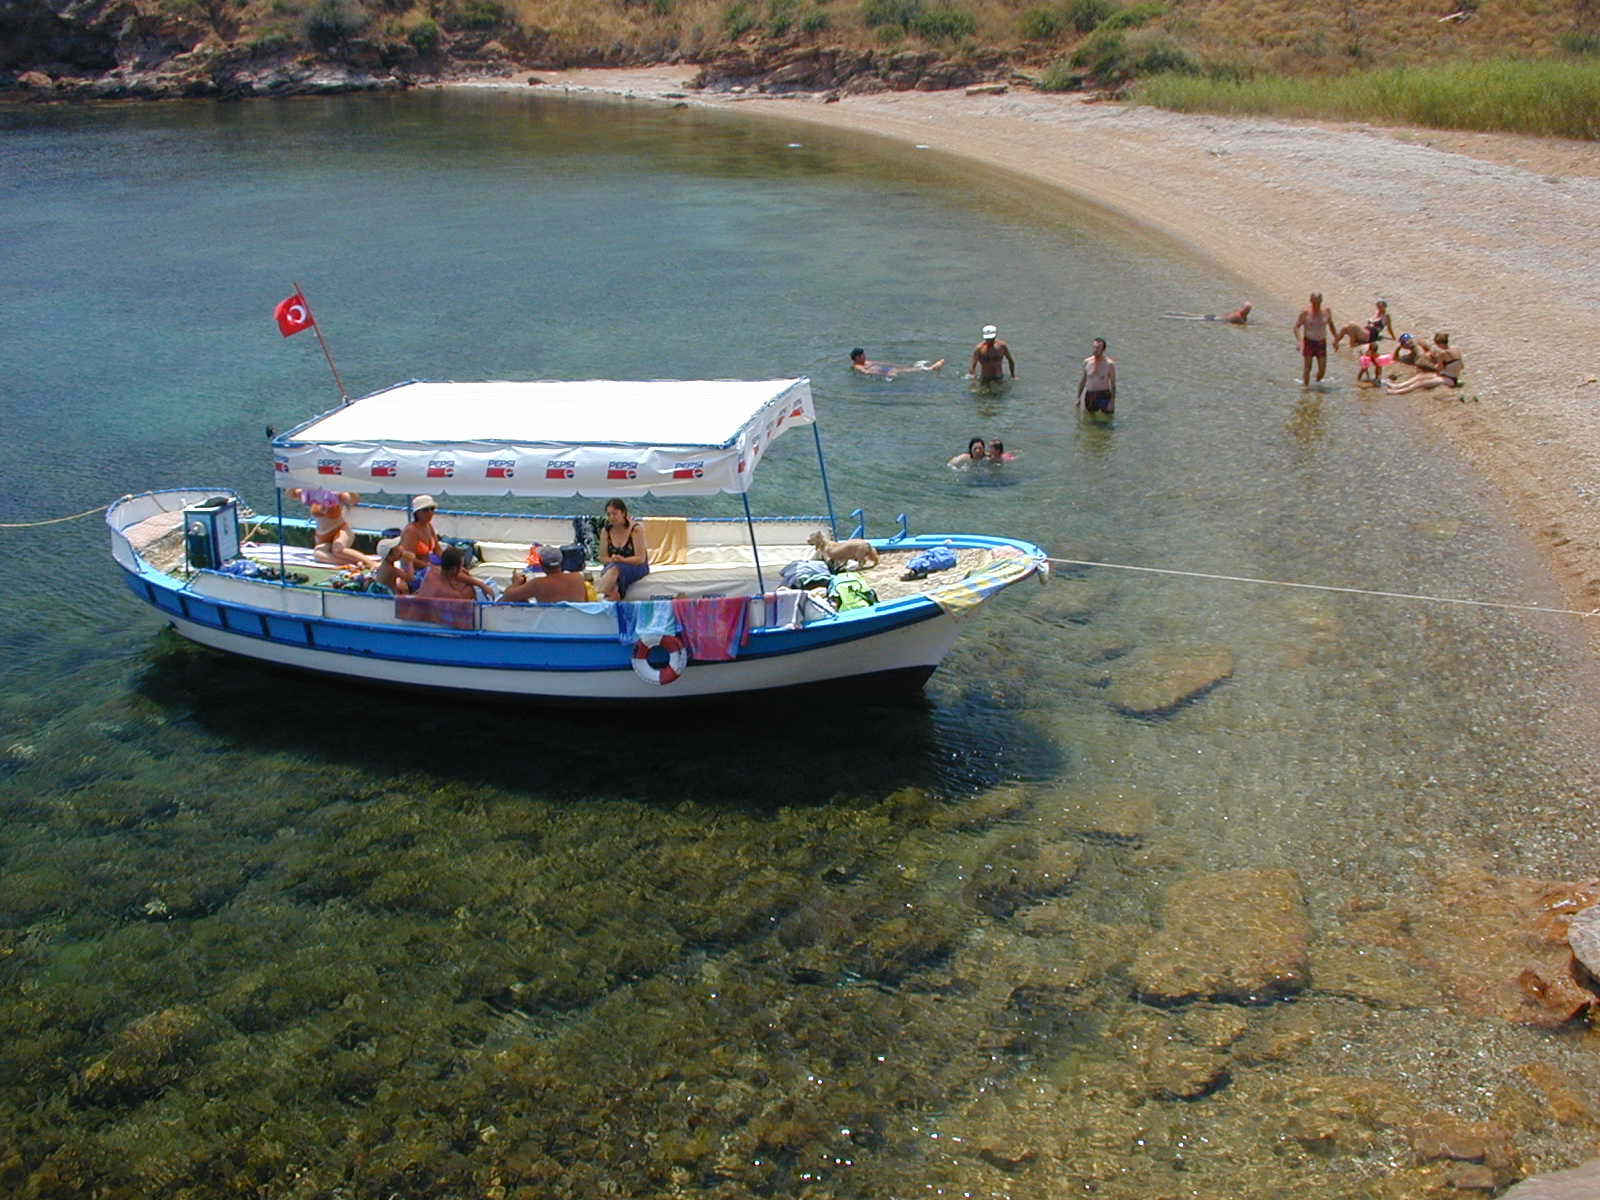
(783, 609)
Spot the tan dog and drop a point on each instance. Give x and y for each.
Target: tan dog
(838, 554)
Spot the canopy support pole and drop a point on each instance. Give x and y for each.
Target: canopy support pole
(750, 524)
(833, 522)
(283, 571)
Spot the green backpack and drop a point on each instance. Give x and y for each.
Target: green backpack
(848, 590)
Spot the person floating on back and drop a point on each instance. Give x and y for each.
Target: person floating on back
(884, 370)
(1239, 316)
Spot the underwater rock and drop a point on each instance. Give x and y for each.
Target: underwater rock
(1566, 1102)
(1108, 813)
(148, 1055)
(1580, 1183)
(1158, 680)
(1239, 936)
(1442, 1135)
(1070, 601)
(1012, 871)
(1583, 935)
(1499, 945)
(1371, 975)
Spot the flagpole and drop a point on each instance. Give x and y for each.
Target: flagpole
(316, 327)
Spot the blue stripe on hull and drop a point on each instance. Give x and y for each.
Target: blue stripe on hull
(499, 651)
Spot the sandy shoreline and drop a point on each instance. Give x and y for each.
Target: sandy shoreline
(1490, 236)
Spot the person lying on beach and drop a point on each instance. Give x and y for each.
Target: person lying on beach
(1239, 316)
(1377, 325)
(1408, 352)
(333, 537)
(555, 586)
(1443, 369)
(884, 370)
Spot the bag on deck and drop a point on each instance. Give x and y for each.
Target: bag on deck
(848, 590)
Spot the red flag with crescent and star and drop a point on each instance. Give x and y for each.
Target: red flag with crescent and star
(293, 315)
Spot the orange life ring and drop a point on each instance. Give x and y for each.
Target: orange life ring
(670, 662)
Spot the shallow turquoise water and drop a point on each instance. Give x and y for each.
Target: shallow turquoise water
(366, 898)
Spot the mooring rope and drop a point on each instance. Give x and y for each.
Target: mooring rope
(1324, 587)
(88, 512)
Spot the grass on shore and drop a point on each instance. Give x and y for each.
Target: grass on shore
(1553, 98)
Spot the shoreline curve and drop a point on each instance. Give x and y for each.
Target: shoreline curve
(1490, 236)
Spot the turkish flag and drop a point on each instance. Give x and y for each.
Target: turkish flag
(293, 315)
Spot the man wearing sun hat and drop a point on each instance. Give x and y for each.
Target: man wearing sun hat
(987, 356)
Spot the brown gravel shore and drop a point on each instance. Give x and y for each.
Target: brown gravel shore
(1493, 237)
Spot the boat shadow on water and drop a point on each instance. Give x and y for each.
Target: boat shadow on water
(738, 753)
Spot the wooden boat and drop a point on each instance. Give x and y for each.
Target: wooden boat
(180, 550)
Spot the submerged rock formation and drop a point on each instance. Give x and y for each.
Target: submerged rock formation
(1237, 936)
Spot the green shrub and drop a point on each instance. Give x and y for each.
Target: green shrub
(1060, 77)
(424, 36)
(472, 14)
(1102, 55)
(737, 19)
(814, 22)
(270, 41)
(1134, 15)
(1162, 54)
(890, 12)
(1580, 43)
(1043, 23)
(330, 23)
(1086, 15)
(944, 23)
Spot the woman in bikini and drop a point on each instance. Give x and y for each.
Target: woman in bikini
(1443, 370)
(622, 551)
(334, 537)
(1377, 326)
(419, 541)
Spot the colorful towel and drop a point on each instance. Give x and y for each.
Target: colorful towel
(667, 539)
(714, 628)
(644, 618)
(960, 597)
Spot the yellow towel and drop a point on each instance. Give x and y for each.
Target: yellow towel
(667, 540)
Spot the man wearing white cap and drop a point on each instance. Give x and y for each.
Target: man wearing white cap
(987, 356)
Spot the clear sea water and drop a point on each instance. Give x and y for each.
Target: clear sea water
(261, 932)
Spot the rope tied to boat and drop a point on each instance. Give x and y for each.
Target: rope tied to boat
(1325, 587)
(88, 512)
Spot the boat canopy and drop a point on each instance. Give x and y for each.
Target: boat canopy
(595, 437)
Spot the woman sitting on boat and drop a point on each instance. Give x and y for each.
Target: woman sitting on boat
(334, 536)
(622, 552)
(418, 540)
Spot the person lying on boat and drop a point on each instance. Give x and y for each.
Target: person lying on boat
(884, 370)
(555, 586)
(622, 552)
(418, 540)
(394, 571)
(334, 537)
(452, 581)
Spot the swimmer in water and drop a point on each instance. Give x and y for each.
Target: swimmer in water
(975, 453)
(998, 453)
(883, 370)
(1239, 316)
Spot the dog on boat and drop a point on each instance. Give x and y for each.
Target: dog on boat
(838, 554)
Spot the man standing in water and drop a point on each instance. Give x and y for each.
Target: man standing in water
(987, 356)
(1311, 331)
(1097, 386)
